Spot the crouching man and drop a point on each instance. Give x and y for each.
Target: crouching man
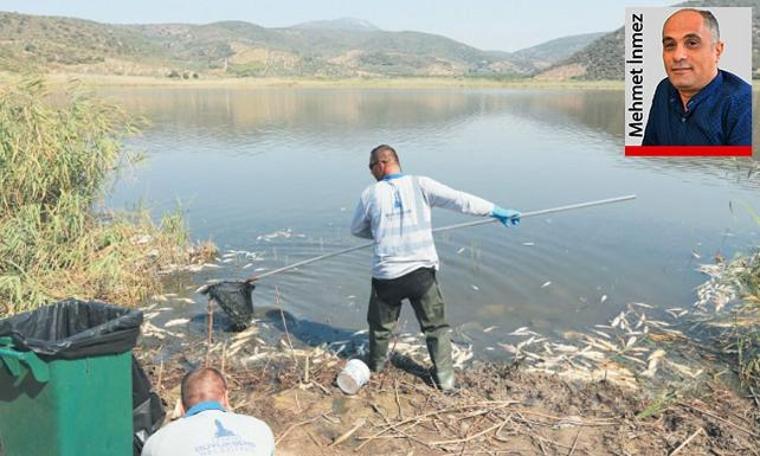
(207, 427)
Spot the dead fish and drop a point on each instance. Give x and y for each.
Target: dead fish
(247, 334)
(604, 326)
(630, 342)
(248, 265)
(509, 348)
(651, 367)
(604, 298)
(616, 321)
(603, 334)
(529, 244)
(228, 260)
(546, 284)
(489, 329)
(176, 322)
(525, 343)
(592, 355)
(658, 323)
(202, 288)
(211, 265)
(524, 331)
(695, 255)
(475, 287)
(161, 298)
(642, 304)
(565, 348)
(461, 250)
(185, 300)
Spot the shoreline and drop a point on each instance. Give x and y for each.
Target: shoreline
(409, 83)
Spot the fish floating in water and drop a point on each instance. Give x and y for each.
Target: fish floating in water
(176, 322)
(546, 284)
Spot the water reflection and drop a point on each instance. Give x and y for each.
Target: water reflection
(247, 163)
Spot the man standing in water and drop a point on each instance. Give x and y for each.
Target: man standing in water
(395, 212)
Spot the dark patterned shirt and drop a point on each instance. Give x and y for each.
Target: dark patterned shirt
(719, 114)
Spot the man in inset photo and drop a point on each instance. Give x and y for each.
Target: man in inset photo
(698, 103)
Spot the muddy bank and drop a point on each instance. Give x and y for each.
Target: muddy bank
(644, 382)
(500, 408)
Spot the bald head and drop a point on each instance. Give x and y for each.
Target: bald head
(384, 152)
(708, 21)
(383, 160)
(204, 384)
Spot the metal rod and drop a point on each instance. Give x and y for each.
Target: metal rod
(552, 210)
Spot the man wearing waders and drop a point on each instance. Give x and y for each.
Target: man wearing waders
(395, 212)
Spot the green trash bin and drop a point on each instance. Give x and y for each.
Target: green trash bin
(66, 380)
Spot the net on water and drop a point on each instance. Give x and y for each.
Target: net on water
(235, 298)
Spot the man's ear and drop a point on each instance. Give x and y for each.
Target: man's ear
(226, 400)
(719, 46)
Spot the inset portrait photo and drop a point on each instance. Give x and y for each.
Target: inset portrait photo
(688, 76)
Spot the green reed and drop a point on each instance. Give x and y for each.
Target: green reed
(56, 153)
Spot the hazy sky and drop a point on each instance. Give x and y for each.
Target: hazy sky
(506, 25)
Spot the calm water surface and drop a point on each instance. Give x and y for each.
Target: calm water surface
(246, 164)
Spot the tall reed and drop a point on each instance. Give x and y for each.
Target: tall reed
(56, 153)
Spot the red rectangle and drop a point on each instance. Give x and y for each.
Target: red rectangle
(688, 151)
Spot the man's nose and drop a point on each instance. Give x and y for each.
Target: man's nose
(679, 53)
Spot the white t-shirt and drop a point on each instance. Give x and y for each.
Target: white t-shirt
(212, 433)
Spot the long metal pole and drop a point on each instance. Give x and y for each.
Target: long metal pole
(552, 210)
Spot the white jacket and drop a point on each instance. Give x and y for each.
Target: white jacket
(395, 212)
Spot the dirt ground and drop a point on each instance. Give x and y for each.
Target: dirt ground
(499, 410)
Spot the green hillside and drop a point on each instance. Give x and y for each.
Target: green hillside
(603, 58)
(326, 49)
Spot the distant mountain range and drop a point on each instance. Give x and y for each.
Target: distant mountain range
(603, 58)
(339, 48)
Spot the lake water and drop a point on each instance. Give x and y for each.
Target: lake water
(246, 164)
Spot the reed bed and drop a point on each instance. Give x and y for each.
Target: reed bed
(57, 152)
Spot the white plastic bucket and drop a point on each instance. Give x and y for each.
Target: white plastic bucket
(353, 376)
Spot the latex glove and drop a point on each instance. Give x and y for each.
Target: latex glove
(506, 216)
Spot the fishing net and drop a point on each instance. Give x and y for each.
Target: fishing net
(235, 298)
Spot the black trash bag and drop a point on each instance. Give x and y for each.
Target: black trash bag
(148, 412)
(235, 299)
(73, 329)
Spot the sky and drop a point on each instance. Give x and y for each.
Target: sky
(505, 25)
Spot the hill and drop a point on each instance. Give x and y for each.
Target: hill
(339, 48)
(603, 58)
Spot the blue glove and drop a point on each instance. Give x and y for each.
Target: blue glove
(506, 216)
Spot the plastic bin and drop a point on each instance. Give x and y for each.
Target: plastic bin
(66, 380)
